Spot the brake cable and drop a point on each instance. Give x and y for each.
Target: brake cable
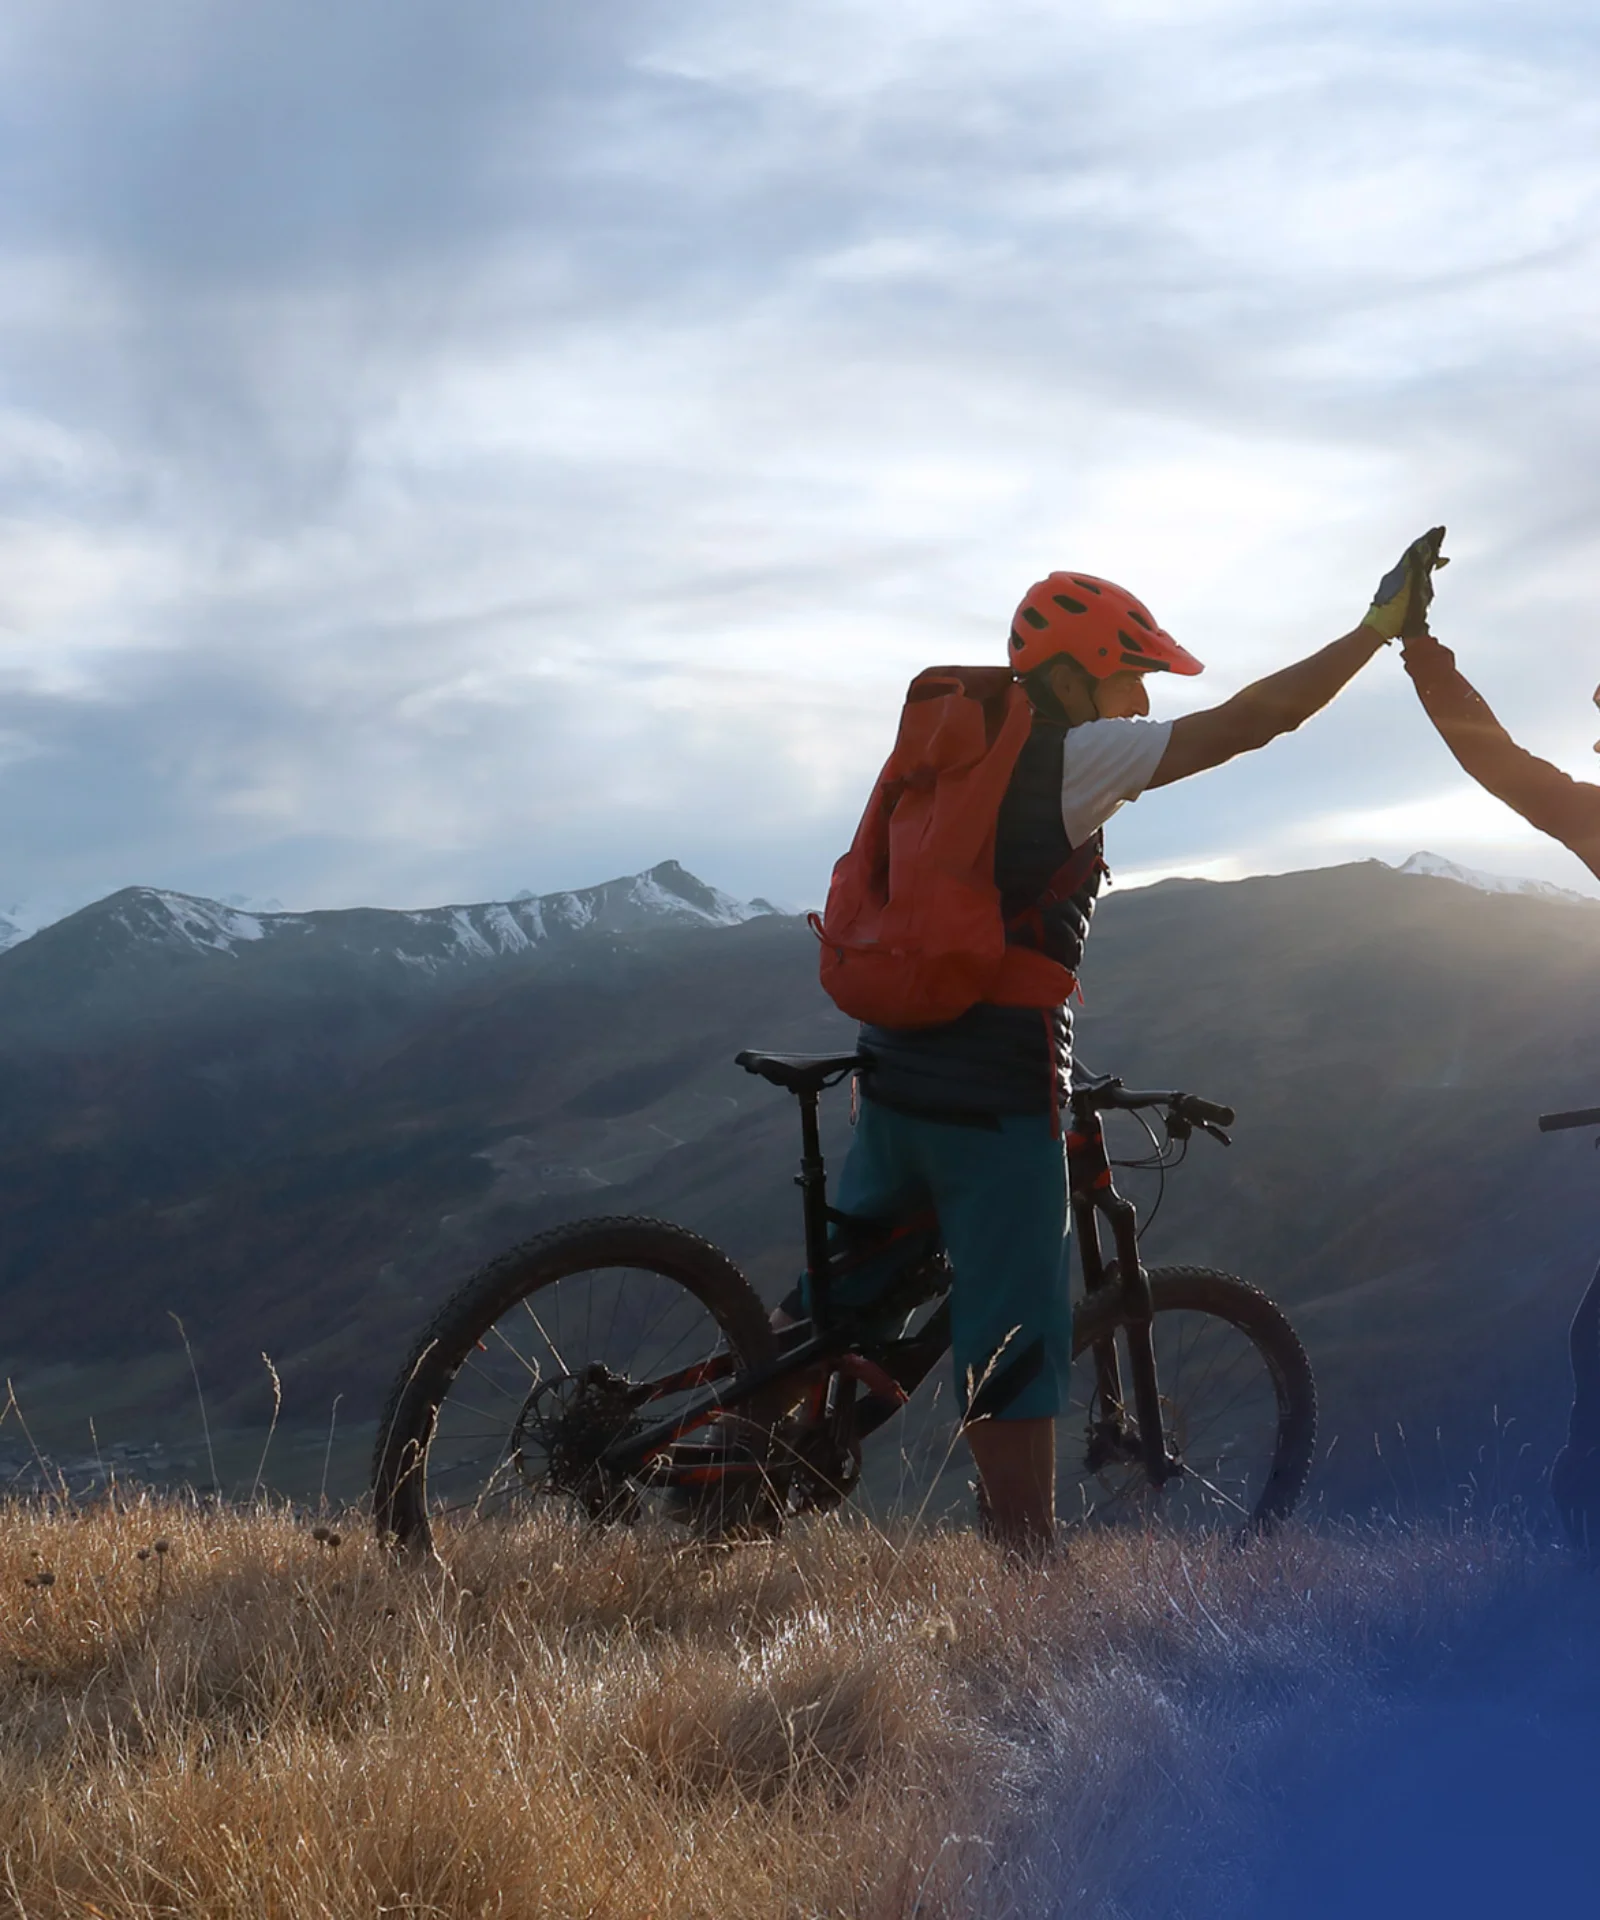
(1156, 1162)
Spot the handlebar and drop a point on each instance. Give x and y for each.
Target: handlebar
(1183, 1106)
(1579, 1117)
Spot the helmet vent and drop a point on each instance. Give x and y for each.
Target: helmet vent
(1072, 606)
(1034, 617)
(1089, 586)
(1135, 614)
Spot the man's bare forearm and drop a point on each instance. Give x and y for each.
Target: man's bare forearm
(1283, 700)
(1267, 707)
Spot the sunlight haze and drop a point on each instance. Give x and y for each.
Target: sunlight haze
(444, 452)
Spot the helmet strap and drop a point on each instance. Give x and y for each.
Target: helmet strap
(1039, 685)
(1042, 696)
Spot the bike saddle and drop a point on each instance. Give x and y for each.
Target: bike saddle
(799, 1072)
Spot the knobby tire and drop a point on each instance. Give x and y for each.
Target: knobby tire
(1221, 1298)
(470, 1323)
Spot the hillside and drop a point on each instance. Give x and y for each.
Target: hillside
(233, 1714)
(296, 1143)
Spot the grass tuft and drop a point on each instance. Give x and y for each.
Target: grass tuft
(233, 1713)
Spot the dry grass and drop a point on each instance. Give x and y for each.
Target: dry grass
(253, 1722)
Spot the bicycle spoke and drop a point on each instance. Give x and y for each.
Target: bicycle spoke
(1212, 1487)
(528, 1309)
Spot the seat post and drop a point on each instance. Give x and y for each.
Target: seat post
(812, 1180)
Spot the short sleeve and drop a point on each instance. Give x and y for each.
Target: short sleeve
(1104, 763)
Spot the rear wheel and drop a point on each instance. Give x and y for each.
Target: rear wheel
(544, 1358)
(1238, 1403)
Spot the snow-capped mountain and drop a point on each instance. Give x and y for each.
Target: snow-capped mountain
(428, 938)
(152, 954)
(1434, 866)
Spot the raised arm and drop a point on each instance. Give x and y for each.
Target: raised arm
(1260, 712)
(1567, 809)
(1278, 704)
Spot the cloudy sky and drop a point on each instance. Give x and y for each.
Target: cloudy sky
(446, 450)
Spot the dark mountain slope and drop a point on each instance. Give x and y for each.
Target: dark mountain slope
(153, 1044)
(1386, 1039)
(521, 1099)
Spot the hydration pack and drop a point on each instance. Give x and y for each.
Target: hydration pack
(913, 932)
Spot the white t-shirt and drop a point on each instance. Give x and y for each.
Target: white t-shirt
(1104, 763)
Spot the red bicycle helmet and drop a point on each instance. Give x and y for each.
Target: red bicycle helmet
(1096, 623)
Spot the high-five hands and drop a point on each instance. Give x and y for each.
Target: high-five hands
(1400, 606)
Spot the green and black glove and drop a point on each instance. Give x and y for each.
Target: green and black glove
(1400, 606)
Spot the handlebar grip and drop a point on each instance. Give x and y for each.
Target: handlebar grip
(1192, 1107)
(1580, 1117)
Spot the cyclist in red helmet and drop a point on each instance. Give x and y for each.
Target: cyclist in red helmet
(964, 1115)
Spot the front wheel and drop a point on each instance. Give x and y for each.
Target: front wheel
(1238, 1404)
(547, 1356)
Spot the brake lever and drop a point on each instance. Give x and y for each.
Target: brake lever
(1216, 1132)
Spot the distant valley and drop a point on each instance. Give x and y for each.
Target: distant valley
(296, 1131)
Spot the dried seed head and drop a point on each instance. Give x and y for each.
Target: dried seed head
(43, 1578)
(939, 1630)
(142, 1554)
(163, 1546)
(326, 1536)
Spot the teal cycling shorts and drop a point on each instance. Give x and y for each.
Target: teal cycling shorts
(1000, 1195)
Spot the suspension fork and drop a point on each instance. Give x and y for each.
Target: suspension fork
(1093, 1195)
(1139, 1332)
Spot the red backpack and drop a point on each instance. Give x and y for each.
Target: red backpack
(912, 934)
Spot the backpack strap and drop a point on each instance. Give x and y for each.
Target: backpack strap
(1079, 866)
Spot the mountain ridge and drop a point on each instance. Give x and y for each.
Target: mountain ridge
(301, 1159)
(146, 953)
(666, 892)
(1434, 866)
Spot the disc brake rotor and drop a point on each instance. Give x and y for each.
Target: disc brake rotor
(564, 1427)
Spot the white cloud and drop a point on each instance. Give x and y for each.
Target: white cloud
(533, 448)
(1458, 812)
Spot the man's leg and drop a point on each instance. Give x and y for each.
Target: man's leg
(1575, 1474)
(1002, 1201)
(1016, 1461)
(880, 1180)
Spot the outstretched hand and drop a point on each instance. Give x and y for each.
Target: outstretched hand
(1400, 606)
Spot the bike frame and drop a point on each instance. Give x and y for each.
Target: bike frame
(1093, 1195)
(903, 1364)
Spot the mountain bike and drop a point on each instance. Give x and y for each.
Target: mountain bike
(624, 1367)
